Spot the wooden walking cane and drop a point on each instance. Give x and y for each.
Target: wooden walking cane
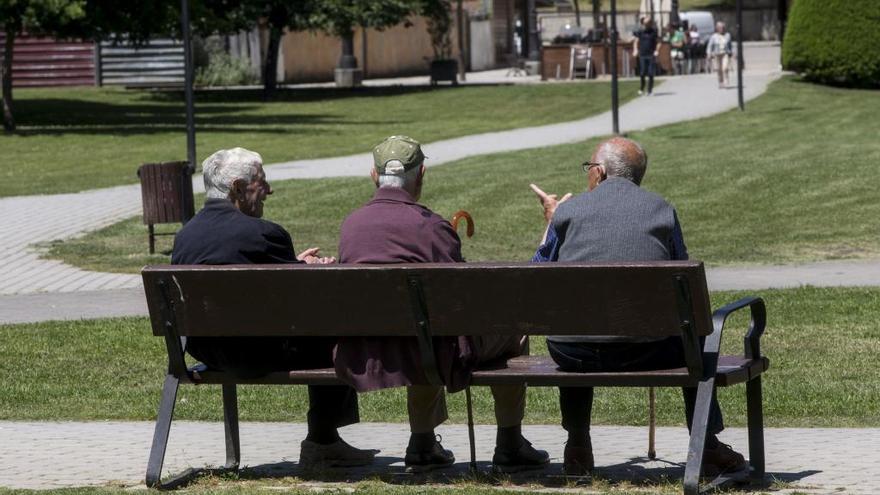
(467, 216)
(652, 424)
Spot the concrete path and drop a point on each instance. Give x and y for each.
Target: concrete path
(31, 220)
(53, 455)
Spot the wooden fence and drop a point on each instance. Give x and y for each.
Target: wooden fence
(47, 62)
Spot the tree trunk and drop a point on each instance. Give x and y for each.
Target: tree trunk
(347, 60)
(597, 12)
(8, 119)
(577, 12)
(270, 69)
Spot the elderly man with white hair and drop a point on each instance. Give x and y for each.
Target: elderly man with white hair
(616, 220)
(718, 51)
(229, 230)
(394, 228)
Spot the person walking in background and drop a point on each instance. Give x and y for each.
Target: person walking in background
(645, 48)
(718, 51)
(693, 47)
(677, 43)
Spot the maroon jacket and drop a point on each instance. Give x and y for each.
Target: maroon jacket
(393, 228)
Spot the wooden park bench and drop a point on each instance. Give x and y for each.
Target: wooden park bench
(653, 299)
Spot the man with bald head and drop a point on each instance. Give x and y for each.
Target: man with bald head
(616, 220)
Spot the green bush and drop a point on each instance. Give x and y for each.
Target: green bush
(225, 70)
(834, 41)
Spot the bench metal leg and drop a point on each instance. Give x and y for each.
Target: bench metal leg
(163, 428)
(755, 410)
(699, 429)
(230, 423)
(471, 436)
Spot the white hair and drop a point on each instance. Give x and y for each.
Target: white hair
(618, 163)
(396, 176)
(224, 167)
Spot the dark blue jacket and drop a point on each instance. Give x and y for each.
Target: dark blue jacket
(220, 234)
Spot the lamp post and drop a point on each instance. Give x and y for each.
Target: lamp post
(739, 54)
(615, 125)
(533, 40)
(188, 85)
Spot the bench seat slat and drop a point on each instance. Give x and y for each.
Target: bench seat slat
(534, 370)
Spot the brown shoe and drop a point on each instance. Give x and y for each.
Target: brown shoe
(578, 461)
(722, 459)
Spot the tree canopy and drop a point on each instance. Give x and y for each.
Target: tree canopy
(834, 41)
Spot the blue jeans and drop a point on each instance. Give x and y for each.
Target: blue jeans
(647, 67)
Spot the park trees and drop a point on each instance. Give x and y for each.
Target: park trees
(341, 17)
(834, 41)
(278, 16)
(46, 17)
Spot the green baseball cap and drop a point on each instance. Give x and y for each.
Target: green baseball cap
(397, 154)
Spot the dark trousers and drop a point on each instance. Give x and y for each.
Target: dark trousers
(647, 67)
(330, 407)
(576, 403)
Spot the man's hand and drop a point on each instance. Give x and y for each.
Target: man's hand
(310, 256)
(548, 201)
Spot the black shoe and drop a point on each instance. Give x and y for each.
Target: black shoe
(722, 459)
(420, 461)
(578, 461)
(524, 458)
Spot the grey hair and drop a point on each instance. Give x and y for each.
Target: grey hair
(224, 167)
(619, 163)
(396, 176)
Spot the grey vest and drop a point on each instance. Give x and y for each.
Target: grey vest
(617, 221)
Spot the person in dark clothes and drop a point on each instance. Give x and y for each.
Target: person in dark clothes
(616, 220)
(394, 228)
(229, 230)
(646, 48)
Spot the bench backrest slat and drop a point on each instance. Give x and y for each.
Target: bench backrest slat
(461, 299)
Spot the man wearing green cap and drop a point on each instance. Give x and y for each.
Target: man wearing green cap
(394, 228)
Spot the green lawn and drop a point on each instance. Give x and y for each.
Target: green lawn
(83, 138)
(794, 178)
(822, 344)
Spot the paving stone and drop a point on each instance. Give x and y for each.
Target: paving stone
(55, 454)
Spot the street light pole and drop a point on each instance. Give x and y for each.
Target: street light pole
(188, 85)
(615, 124)
(534, 41)
(739, 54)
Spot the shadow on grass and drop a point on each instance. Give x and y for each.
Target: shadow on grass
(70, 116)
(638, 472)
(55, 116)
(251, 95)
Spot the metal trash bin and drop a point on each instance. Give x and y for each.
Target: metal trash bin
(167, 195)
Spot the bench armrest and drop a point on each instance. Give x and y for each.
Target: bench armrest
(757, 323)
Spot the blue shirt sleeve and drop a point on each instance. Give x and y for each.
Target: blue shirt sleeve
(678, 249)
(549, 251)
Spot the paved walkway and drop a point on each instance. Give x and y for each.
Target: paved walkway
(53, 455)
(30, 220)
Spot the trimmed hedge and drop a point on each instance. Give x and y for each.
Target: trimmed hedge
(834, 41)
